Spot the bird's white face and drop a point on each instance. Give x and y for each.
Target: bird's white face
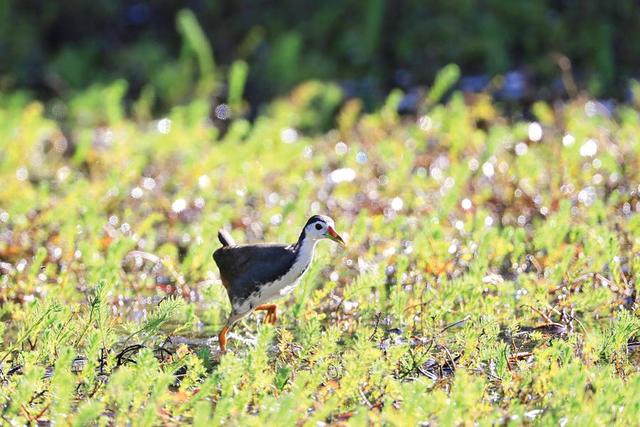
(322, 228)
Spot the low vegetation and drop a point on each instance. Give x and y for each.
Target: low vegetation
(489, 275)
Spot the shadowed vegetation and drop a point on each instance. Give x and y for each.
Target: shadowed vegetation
(57, 49)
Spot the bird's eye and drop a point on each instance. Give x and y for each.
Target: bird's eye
(318, 227)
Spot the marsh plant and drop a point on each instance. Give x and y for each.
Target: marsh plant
(489, 276)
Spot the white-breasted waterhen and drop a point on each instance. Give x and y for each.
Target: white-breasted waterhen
(256, 274)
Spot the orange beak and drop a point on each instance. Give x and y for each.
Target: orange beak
(331, 234)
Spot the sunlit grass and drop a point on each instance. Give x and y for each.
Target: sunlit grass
(489, 274)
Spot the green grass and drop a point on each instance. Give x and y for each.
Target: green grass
(488, 276)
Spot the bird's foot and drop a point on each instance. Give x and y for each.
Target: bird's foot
(271, 316)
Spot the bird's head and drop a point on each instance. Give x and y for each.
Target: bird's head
(322, 227)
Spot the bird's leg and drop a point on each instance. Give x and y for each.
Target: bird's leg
(222, 339)
(271, 312)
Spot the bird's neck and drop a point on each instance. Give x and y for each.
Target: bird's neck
(305, 247)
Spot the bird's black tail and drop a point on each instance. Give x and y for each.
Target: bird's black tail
(225, 238)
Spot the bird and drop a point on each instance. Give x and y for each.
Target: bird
(254, 275)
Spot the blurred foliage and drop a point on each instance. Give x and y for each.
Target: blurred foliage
(489, 278)
(54, 49)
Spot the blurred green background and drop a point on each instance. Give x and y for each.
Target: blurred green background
(169, 51)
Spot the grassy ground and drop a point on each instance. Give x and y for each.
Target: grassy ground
(488, 276)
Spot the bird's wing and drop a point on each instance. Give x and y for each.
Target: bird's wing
(243, 267)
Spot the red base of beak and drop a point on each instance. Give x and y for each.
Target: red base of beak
(331, 233)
